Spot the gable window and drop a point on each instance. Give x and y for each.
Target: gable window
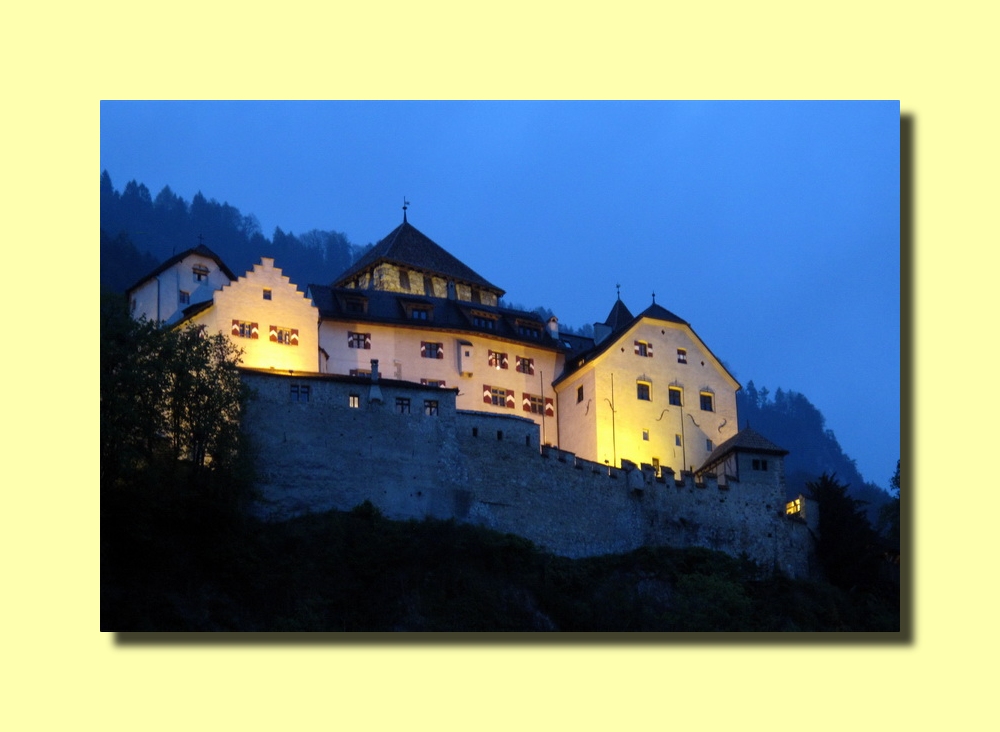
(709, 446)
(642, 391)
(707, 402)
(300, 392)
(431, 350)
(497, 360)
(267, 293)
(185, 298)
(359, 340)
(354, 401)
(675, 397)
(677, 440)
(644, 348)
(645, 435)
(244, 329)
(430, 407)
(200, 272)
(284, 336)
(404, 279)
(525, 365)
(682, 355)
(759, 464)
(579, 394)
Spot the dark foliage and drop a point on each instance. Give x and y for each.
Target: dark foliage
(139, 229)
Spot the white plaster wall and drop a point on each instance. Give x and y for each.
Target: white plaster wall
(287, 308)
(159, 297)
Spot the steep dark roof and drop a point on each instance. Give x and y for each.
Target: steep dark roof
(407, 246)
(200, 250)
(619, 317)
(746, 440)
(391, 308)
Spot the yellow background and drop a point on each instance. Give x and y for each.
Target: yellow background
(61, 59)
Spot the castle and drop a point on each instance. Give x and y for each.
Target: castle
(407, 383)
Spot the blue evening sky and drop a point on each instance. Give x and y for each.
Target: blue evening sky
(772, 227)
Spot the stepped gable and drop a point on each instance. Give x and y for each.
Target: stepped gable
(200, 250)
(746, 440)
(409, 247)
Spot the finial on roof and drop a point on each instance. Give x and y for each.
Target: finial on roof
(618, 287)
(200, 237)
(654, 298)
(405, 204)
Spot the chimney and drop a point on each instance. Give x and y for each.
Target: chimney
(554, 327)
(374, 393)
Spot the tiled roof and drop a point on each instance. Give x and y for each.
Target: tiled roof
(200, 250)
(619, 317)
(746, 440)
(392, 308)
(407, 246)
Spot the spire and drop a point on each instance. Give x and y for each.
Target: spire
(405, 204)
(654, 298)
(618, 288)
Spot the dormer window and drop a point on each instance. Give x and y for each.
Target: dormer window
(356, 305)
(528, 330)
(420, 314)
(418, 310)
(200, 272)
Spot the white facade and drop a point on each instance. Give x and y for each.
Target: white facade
(163, 296)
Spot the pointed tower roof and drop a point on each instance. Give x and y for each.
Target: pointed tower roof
(407, 246)
(619, 317)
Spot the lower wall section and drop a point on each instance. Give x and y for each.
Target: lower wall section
(489, 470)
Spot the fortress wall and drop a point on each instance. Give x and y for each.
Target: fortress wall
(325, 455)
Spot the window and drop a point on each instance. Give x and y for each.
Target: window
(645, 435)
(675, 397)
(498, 397)
(579, 394)
(244, 329)
(430, 407)
(428, 286)
(432, 382)
(682, 355)
(707, 402)
(793, 507)
(404, 279)
(709, 446)
(656, 466)
(267, 293)
(482, 322)
(529, 331)
(533, 403)
(759, 464)
(431, 350)
(200, 272)
(355, 305)
(420, 313)
(525, 365)
(644, 348)
(497, 360)
(284, 336)
(300, 392)
(642, 391)
(185, 298)
(361, 372)
(359, 340)
(677, 440)
(354, 401)
(402, 405)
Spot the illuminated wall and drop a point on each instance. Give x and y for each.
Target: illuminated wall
(645, 425)
(160, 298)
(393, 278)
(411, 354)
(269, 318)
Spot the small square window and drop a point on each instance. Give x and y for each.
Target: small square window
(402, 405)
(682, 355)
(200, 272)
(267, 293)
(707, 402)
(675, 398)
(300, 392)
(677, 440)
(354, 401)
(709, 446)
(430, 407)
(642, 391)
(579, 394)
(185, 298)
(645, 435)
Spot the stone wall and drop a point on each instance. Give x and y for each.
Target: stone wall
(489, 469)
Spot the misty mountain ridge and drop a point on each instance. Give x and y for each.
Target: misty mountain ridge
(138, 232)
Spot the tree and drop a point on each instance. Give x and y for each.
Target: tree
(168, 396)
(889, 513)
(848, 546)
